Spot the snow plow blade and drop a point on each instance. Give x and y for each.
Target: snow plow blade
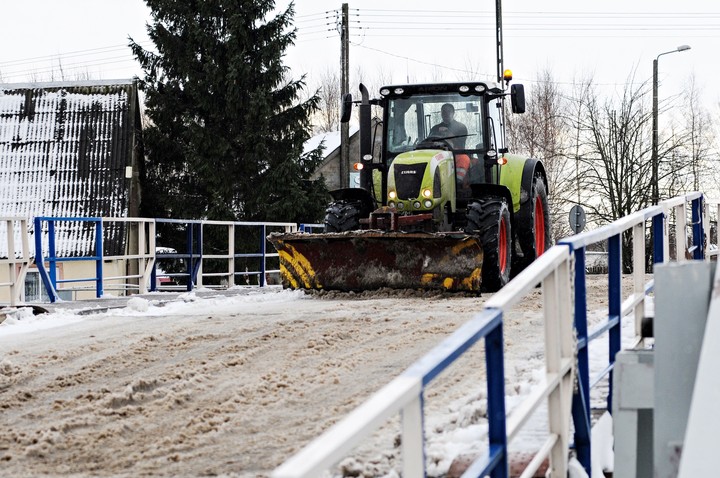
(367, 260)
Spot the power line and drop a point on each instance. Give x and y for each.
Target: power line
(70, 54)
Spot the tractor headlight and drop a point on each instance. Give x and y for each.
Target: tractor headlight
(428, 203)
(416, 204)
(401, 205)
(427, 193)
(391, 204)
(392, 195)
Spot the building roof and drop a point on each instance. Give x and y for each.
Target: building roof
(331, 139)
(64, 149)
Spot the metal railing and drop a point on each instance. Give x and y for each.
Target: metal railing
(619, 307)
(142, 254)
(404, 394)
(17, 261)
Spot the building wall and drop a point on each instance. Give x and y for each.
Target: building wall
(330, 167)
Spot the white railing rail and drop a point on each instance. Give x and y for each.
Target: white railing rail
(232, 228)
(140, 248)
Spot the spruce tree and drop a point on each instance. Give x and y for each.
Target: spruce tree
(226, 133)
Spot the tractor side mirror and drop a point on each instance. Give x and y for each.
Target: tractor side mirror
(346, 109)
(517, 98)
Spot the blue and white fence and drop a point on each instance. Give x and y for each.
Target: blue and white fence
(563, 311)
(143, 256)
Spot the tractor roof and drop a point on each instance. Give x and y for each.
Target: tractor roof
(465, 88)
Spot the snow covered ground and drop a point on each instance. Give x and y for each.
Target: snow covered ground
(233, 384)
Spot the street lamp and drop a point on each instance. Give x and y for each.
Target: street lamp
(654, 159)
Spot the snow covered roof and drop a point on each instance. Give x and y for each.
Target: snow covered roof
(64, 149)
(332, 141)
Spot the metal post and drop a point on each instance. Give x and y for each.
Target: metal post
(614, 304)
(263, 235)
(697, 227)
(497, 433)
(658, 226)
(581, 397)
(98, 258)
(654, 159)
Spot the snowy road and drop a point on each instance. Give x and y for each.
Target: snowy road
(234, 385)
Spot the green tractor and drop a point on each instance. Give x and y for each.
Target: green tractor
(443, 205)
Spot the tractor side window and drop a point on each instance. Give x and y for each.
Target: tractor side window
(402, 125)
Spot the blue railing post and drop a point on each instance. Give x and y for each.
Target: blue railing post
(697, 227)
(40, 262)
(658, 229)
(263, 235)
(153, 276)
(99, 254)
(614, 305)
(581, 397)
(497, 433)
(51, 253)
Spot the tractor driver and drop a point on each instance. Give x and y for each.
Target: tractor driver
(449, 127)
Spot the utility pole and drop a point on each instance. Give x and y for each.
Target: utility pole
(345, 89)
(498, 41)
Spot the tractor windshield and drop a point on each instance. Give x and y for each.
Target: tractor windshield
(452, 116)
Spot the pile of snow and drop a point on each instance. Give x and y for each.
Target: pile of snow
(22, 320)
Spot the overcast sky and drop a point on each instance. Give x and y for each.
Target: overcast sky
(402, 39)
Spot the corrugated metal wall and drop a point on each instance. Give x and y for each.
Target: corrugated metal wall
(63, 152)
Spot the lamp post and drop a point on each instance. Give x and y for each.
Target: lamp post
(654, 159)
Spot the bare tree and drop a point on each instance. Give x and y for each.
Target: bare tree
(542, 133)
(616, 150)
(700, 138)
(328, 117)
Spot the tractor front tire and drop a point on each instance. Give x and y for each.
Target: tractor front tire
(342, 216)
(490, 221)
(533, 232)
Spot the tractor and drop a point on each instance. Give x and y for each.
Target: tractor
(443, 205)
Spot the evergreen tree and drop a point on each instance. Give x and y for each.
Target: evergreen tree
(226, 132)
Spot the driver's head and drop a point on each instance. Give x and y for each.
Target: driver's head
(447, 112)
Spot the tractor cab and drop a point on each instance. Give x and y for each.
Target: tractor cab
(440, 146)
(450, 117)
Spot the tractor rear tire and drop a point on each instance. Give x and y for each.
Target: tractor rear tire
(533, 232)
(490, 220)
(342, 216)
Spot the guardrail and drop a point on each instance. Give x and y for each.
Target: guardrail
(617, 306)
(552, 270)
(142, 254)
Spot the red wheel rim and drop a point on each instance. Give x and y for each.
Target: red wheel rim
(539, 227)
(502, 246)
